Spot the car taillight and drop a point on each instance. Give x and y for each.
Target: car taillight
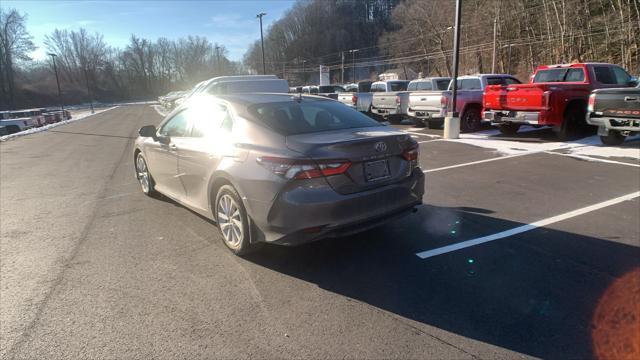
(303, 169)
(411, 154)
(546, 96)
(354, 99)
(444, 101)
(592, 103)
(398, 100)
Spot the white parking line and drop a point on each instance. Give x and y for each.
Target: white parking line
(524, 228)
(589, 158)
(422, 134)
(481, 161)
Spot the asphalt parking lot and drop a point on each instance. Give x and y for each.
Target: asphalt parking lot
(519, 245)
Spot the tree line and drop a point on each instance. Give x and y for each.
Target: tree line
(416, 37)
(89, 67)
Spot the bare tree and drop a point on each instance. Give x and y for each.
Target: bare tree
(15, 45)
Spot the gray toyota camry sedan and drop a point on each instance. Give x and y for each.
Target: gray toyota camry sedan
(280, 168)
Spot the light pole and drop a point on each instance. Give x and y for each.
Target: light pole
(342, 69)
(353, 62)
(55, 70)
(218, 59)
(452, 121)
(86, 78)
(495, 36)
(304, 76)
(264, 66)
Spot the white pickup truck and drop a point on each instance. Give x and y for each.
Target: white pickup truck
(387, 102)
(358, 97)
(423, 93)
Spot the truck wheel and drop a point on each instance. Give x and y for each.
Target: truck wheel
(12, 129)
(571, 124)
(614, 138)
(435, 124)
(509, 128)
(394, 119)
(470, 120)
(419, 123)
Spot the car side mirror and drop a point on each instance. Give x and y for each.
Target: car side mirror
(633, 81)
(148, 131)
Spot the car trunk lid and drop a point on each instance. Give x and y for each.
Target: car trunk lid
(376, 155)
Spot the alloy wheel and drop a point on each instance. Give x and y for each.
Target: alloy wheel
(230, 220)
(143, 173)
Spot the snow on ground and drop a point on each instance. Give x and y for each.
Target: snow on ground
(589, 146)
(76, 115)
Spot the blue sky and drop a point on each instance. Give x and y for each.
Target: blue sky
(230, 23)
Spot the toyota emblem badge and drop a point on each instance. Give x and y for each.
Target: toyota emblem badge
(381, 147)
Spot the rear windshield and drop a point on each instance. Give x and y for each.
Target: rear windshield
(378, 88)
(364, 87)
(398, 86)
(309, 116)
(442, 84)
(559, 75)
(420, 85)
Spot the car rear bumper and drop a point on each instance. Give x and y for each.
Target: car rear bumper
(425, 114)
(305, 214)
(517, 117)
(387, 111)
(614, 123)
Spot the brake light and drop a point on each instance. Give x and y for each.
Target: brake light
(546, 97)
(354, 99)
(302, 168)
(411, 154)
(398, 100)
(444, 101)
(592, 103)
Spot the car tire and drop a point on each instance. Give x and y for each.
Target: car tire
(12, 129)
(144, 176)
(572, 123)
(470, 120)
(435, 124)
(232, 220)
(394, 119)
(614, 138)
(509, 128)
(419, 123)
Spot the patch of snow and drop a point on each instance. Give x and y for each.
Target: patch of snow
(76, 117)
(589, 146)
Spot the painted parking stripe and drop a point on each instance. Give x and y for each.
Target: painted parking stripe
(525, 228)
(422, 134)
(589, 158)
(481, 161)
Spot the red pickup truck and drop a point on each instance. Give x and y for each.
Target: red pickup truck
(556, 96)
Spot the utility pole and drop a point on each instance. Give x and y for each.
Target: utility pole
(342, 69)
(353, 63)
(452, 121)
(55, 70)
(86, 78)
(218, 59)
(264, 66)
(304, 77)
(495, 37)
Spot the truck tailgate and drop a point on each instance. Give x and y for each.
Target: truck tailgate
(426, 101)
(346, 98)
(386, 100)
(520, 97)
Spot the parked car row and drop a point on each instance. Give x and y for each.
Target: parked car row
(234, 84)
(13, 121)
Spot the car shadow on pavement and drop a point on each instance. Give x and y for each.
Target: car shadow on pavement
(534, 293)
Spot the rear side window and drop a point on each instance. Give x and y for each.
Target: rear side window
(207, 122)
(604, 75)
(442, 84)
(378, 88)
(469, 84)
(502, 81)
(420, 85)
(309, 116)
(398, 86)
(574, 75)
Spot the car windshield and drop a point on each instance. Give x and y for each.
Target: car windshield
(309, 116)
(420, 85)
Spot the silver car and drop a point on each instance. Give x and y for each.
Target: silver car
(280, 168)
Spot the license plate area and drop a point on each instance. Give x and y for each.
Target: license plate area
(376, 170)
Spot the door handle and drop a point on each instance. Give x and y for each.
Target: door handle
(630, 98)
